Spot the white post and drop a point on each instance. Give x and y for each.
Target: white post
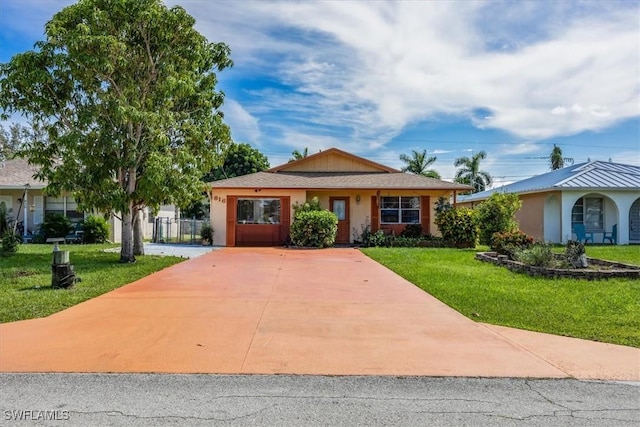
(25, 204)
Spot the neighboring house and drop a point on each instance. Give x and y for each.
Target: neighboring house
(596, 194)
(23, 196)
(256, 209)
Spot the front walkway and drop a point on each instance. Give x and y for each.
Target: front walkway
(266, 311)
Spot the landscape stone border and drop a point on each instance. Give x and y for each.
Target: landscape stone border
(614, 269)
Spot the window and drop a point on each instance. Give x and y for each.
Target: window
(400, 210)
(590, 212)
(258, 211)
(65, 206)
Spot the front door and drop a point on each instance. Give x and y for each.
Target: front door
(340, 207)
(634, 221)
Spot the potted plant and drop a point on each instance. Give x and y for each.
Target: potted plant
(206, 234)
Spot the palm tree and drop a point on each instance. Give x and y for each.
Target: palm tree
(557, 161)
(298, 155)
(418, 163)
(470, 172)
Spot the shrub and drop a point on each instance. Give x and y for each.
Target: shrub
(412, 230)
(206, 233)
(308, 206)
(510, 242)
(405, 242)
(496, 215)
(377, 239)
(314, 228)
(538, 255)
(458, 226)
(574, 254)
(56, 225)
(95, 229)
(365, 232)
(10, 241)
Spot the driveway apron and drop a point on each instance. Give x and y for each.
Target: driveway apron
(277, 311)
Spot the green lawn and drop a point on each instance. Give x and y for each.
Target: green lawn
(25, 281)
(607, 311)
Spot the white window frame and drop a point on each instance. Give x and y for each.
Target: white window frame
(400, 209)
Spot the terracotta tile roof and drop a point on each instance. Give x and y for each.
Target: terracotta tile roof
(342, 180)
(18, 172)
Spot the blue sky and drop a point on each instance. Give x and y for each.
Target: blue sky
(381, 78)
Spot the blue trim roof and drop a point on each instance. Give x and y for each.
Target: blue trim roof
(589, 175)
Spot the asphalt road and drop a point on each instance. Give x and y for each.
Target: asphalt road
(283, 400)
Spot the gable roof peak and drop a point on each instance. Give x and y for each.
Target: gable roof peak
(312, 162)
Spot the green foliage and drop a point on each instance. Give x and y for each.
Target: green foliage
(412, 230)
(442, 204)
(198, 210)
(510, 242)
(418, 164)
(239, 159)
(470, 173)
(538, 255)
(458, 226)
(95, 230)
(308, 206)
(56, 225)
(10, 242)
(126, 90)
(496, 215)
(206, 233)
(365, 232)
(314, 228)
(298, 155)
(12, 140)
(377, 239)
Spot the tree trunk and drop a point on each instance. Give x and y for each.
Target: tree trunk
(126, 251)
(138, 238)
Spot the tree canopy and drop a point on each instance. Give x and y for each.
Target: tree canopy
(12, 140)
(418, 164)
(297, 155)
(125, 91)
(239, 159)
(470, 173)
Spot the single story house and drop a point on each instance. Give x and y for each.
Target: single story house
(256, 209)
(598, 195)
(24, 197)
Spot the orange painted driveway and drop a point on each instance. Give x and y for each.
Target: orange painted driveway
(273, 310)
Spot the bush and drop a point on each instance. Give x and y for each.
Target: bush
(312, 205)
(95, 230)
(509, 243)
(314, 228)
(412, 230)
(496, 215)
(377, 239)
(538, 255)
(10, 242)
(458, 226)
(206, 233)
(56, 225)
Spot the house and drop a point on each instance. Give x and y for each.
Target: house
(24, 197)
(595, 194)
(256, 209)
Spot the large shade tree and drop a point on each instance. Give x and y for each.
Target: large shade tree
(125, 91)
(418, 163)
(470, 173)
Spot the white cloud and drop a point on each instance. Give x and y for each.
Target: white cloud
(376, 67)
(244, 126)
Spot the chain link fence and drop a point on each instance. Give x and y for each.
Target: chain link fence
(171, 230)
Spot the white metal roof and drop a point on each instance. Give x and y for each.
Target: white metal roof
(595, 175)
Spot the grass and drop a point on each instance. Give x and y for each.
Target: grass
(606, 311)
(25, 282)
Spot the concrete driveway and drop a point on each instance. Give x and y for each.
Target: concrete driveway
(267, 311)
